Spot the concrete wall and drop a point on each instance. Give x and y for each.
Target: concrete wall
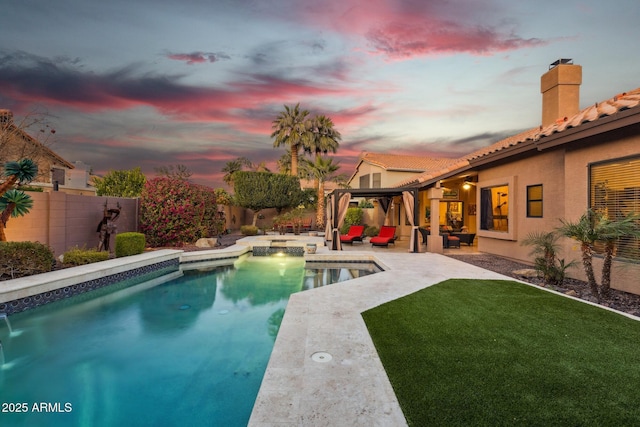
(63, 221)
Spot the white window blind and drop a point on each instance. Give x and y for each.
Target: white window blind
(615, 192)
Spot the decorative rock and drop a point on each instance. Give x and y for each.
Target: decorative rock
(206, 242)
(571, 293)
(526, 272)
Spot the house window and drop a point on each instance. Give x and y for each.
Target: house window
(614, 191)
(377, 180)
(364, 181)
(494, 208)
(534, 201)
(57, 175)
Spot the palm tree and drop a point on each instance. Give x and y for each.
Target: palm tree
(326, 139)
(284, 163)
(595, 227)
(584, 231)
(321, 169)
(15, 202)
(232, 167)
(545, 249)
(292, 128)
(22, 172)
(609, 232)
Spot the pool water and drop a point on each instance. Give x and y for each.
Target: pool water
(190, 351)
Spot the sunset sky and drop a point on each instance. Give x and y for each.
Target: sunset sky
(197, 82)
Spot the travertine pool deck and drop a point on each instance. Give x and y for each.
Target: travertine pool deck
(352, 388)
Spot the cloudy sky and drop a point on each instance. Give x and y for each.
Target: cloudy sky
(197, 82)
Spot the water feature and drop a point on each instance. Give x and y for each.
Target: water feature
(190, 351)
(6, 320)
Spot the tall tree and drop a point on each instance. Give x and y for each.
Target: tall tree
(15, 202)
(292, 127)
(326, 139)
(320, 169)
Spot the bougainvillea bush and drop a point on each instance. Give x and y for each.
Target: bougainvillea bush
(174, 212)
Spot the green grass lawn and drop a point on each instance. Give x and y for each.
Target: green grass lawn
(489, 352)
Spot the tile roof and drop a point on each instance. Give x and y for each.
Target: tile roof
(399, 162)
(620, 102)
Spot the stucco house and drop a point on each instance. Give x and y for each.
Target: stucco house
(54, 172)
(377, 170)
(575, 160)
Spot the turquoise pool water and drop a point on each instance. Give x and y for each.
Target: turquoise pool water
(188, 352)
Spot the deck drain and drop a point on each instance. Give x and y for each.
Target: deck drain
(321, 357)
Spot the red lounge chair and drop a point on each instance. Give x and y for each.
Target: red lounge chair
(355, 234)
(386, 235)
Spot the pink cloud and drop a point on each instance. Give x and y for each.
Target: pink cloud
(402, 29)
(197, 57)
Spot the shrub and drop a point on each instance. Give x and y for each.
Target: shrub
(249, 230)
(174, 211)
(353, 217)
(19, 259)
(129, 244)
(547, 264)
(371, 231)
(76, 256)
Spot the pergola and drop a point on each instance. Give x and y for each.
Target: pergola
(339, 202)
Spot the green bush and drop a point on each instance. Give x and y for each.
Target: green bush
(76, 256)
(129, 244)
(19, 259)
(353, 217)
(371, 231)
(249, 230)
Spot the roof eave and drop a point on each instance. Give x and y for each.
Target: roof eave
(602, 125)
(507, 152)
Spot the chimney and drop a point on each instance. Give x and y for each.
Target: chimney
(6, 117)
(560, 88)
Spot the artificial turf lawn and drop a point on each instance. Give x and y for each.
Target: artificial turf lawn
(489, 352)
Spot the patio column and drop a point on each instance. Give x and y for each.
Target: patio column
(434, 241)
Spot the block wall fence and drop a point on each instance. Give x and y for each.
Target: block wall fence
(62, 220)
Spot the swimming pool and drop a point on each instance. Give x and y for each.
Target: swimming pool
(188, 351)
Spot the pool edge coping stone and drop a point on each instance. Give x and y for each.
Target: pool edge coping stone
(28, 286)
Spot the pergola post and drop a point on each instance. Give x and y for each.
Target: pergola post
(434, 242)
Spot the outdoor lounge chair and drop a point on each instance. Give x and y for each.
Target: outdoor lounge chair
(355, 234)
(386, 235)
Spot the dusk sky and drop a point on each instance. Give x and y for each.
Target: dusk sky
(198, 82)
